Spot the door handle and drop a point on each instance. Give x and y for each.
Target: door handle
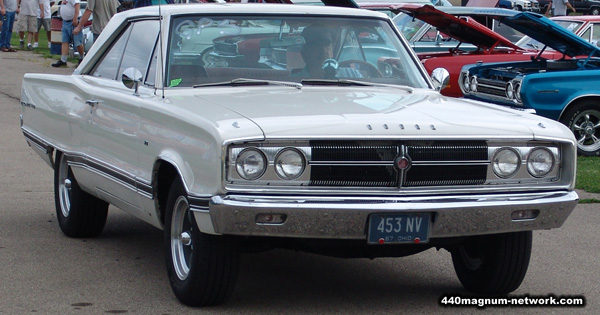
(93, 103)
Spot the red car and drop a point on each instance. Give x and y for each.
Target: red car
(491, 46)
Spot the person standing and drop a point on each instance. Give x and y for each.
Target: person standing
(103, 11)
(559, 8)
(43, 20)
(144, 3)
(9, 9)
(69, 11)
(27, 21)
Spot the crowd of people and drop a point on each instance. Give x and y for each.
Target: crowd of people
(28, 17)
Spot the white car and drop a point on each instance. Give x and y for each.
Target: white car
(326, 136)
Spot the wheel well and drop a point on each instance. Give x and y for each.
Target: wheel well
(576, 102)
(163, 176)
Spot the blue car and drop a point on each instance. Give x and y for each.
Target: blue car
(567, 89)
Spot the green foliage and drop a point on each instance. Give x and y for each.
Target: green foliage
(588, 174)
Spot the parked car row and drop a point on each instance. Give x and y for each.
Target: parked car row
(313, 128)
(476, 73)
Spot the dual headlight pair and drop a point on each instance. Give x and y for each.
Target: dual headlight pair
(512, 89)
(289, 164)
(507, 161)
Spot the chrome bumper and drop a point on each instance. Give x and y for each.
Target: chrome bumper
(347, 217)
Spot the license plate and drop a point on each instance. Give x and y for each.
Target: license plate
(399, 228)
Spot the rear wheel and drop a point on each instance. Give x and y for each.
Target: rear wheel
(584, 121)
(202, 268)
(493, 264)
(79, 213)
(595, 11)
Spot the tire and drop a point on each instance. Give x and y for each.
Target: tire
(584, 120)
(493, 264)
(202, 268)
(79, 213)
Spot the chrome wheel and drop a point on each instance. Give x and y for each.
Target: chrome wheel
(64, 188)
(586, 127)
(181, 238)
(78, 213)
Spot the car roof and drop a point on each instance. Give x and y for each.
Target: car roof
(250, 8)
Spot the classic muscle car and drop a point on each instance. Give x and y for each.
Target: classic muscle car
(343, 156)
(566, 90)
(464, 29)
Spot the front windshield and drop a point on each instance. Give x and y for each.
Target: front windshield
(204, 50)
(529, 43)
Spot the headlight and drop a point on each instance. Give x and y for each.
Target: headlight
(289, 164)
(466, 84)
(510, 92)
(540, 162)
(473, 82)
(506, 162)
(517, 88)
(250, 164)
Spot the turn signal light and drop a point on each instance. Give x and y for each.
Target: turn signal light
(524, 215)
(270, 218)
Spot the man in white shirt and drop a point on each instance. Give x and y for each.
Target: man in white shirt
(27, 21)
(69, 11)
(559, 7)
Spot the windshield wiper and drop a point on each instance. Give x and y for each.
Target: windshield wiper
(249, 82)
(346, 82)
(336, 82)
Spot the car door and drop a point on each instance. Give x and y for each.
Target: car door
(113, 122)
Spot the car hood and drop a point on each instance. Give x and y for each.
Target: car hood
(342, 112)
(551, 34)
(466, 30)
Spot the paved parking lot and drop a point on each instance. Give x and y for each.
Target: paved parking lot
(123, 270)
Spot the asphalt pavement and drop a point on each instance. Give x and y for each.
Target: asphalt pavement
(123, 271)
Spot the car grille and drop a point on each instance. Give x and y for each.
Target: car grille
(371, 163)
(491, 87)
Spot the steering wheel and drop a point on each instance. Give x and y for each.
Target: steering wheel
(362, 66)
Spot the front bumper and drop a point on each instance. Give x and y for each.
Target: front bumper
(330, 217)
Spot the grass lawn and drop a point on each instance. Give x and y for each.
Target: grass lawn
(43, 45)
(588, 174)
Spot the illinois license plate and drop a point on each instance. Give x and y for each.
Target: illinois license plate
(399, 228)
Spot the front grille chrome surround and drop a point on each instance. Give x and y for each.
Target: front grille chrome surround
(372, 164)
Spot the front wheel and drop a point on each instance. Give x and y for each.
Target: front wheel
(493, 264)
(584, 121)
(79, 213)
(202, 268)
(595, 11)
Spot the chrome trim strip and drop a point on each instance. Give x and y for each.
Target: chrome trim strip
(38, 142)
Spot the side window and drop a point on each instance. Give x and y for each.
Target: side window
(140, 46)
(133, 48)
(596, 34)
(587, 34)
(109, 65)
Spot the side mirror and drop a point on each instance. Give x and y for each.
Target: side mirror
(441, 78)
(131, 78)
